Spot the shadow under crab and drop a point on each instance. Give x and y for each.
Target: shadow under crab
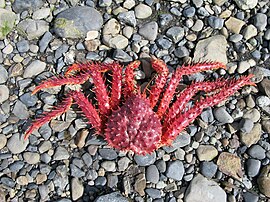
(129, 119)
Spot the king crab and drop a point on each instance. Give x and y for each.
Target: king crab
(129, 119)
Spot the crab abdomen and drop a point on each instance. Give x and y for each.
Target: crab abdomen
(134, 127)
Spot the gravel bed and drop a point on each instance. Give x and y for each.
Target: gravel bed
(222, 156)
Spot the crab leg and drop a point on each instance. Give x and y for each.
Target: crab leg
(129, 86)
(184, 70)
(183, 121)
(76, 96)
(160, 81)
(181, 101)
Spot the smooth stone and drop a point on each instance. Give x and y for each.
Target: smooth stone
(249, 32)
(222, 115)
(206, 152)
(252, 114)
(3, 74)
(104, 3)
(7, 21)
(257, 152)
(28, 99)
(112, 27)
(152, 174)
(35, 68)
(146, 160)
(246, 125)
(3, 141)
(264, 181)
(23, 46)
(260, 21)
(153, 193)
(128, 18)
(112, 197)
(252, 137)
(24, 5)
(20, 110)
(212, 49)
(41, 13)
(31, 157)
(262, 101)
(250, 197)
(246, 4)
(243, 66)
(121, 56)
(75, 22)
(176, 33)
(108, 165)
(77, 189)
(202, 188)
(4, 93)
(17, 144)
(253, 167)
(234, 25)
(108, 154)
(60, 154)
(142, 11)
(44, 41)
(175, 170)
(33, 29)
(208, 169)
(215, 22)
(149, 31)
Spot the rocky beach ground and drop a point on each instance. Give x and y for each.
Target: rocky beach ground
(222, 156)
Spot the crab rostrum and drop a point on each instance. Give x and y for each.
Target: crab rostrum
(129, 119)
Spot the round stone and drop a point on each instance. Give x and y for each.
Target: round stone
(142, 11)
(175, 170)
(3, 141)
(16, 144)
(152, 174)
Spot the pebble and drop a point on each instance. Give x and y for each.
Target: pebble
(60, 154)
(31, 157)
(146, 160)
(260, 21)
(202, 188)
(20, 6)
(3, 75)
(153, 193)
(249, 32)
(149, 31)
(123, 163)
(44, 41)
(215, 22)
(189, 12)
(250, 197)
(20, 110)
(16, 144)
(152, 174)
(23, 46)
(175, 170)
(108, 154)
(243, 66)
(112, 197)
(128, 18)
(105, 3)
(4, 93)
(175, 33)
(206, 152)
(75, 22)
(77, 189)
(181, 52)
(142, 11)
(7, 22)
(222, 115)
(253, 136)
(252, 114)
(264, 181)
(35, 68)
(208, 169)
(246, 125)
(253, 167)
(257, 152)
(108, 165)
(234, 25)
(263, 101)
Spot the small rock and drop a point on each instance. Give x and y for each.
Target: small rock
(260, 21)
(253, 136)
(112, 27)
(128, 18)
(4, 93)
(20, 110)
(208, 169)
(246, 125)
(108, 165)
(80, 141)
(3, 141)
(206, 152)
(252, 114)
(215, 22)
(243, 66)
(253, 167)
(249, 32)
(22, 5)
(108, 154)
(230, 165)
(112, 197)
(121, 56)
(16, 144)
(44, 41)
(105, 3)
(77, 189)
(264, 180)
(35, 68)
(7, 21)
(234, 25)
(246, 4)
(262, 101)
(189, 12)
(75, 22)
(202, 188)
(140, 184)
(123, 163)
(60, 154)
(31, 157)
(212, 49)
(146, 160)
(22, 180)
(175, 170)
(142, 11)
(41, 13)
(152, 174)
(257, 152)
(3, 74)
(222, 115)
(149, 31)
(153, 193)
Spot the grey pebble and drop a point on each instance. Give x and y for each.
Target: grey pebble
(260, 21)
(3, 75)
(175, 33)
(60, 154)
(189, 12)
(28, 99)
(153, 193)
(181, 52)
(7, 182)
(222, 115)
(175, 170)
(253, 167)
(4, 93)
(44, 41)
(246, 125)
(112, 197)
(250, 197)
(161, 165)
(215, 22)
(257, 152)
(149, 31)
(16, 166)
(100, 181)
(164, 43)
(16, 144)
(22, 5)
(75, 171)
(146, 160)
(35, 68)
(165, 19)
(23, 46)
(121, 56)
(262, 101)
(208, 169)
(127, 18)
(108, 154)
(88, 160)
(207, 115)
(20, 110)
(152, 174)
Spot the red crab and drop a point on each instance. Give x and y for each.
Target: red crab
(129, 119)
